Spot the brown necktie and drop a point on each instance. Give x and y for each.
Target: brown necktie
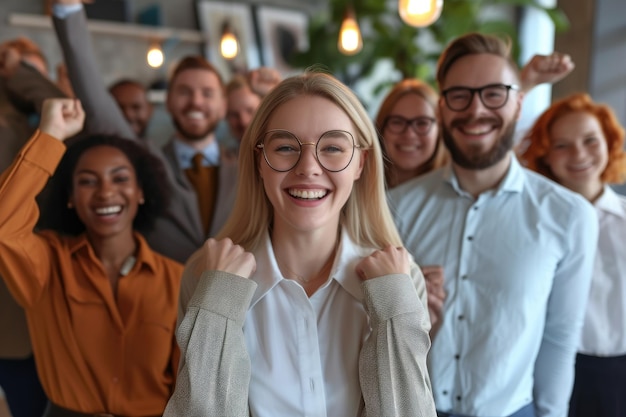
(204, 180)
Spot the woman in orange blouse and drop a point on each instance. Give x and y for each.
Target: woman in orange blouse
(101, 305)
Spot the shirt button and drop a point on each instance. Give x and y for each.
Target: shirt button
(457, 356)
(461, 316)
(470, 238)
(445, 392)
(463, 276)
(475, 208)
(458, 398)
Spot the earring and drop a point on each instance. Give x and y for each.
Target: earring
(70, 205)
(141, 201)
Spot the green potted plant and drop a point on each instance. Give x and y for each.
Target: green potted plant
(413, 51)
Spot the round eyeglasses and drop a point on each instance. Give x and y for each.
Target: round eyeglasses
(420, 125)
(282, 149)
(493, 96)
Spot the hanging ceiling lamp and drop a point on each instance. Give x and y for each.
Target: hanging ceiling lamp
(350, 41)
(420, 13)
(155, 56)
(229, 46)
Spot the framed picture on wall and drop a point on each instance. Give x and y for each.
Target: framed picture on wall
(212, 18)
(281, 32)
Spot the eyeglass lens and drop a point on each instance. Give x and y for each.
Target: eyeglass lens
(399, 124)
(492, 96)
(333, 150)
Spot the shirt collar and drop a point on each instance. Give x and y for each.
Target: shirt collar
(185, 153)
(610, 202)
(144, 255)
(513, 180)
(343, 271)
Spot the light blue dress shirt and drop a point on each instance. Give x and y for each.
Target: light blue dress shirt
(185, 153)
(517, 263)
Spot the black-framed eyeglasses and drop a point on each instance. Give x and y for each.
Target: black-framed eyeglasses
(282, 149)
(420, 125)
(493, 96)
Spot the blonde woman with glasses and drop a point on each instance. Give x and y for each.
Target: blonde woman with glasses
(306, 303)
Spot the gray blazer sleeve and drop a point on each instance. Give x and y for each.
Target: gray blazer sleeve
(214, 373)
(102, 112)
(392, 364)
(29, 88)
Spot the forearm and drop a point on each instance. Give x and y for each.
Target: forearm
(215, 369)
(103, 114)
(392, 364)
(22, 252)
(554, 368)
(30, 88)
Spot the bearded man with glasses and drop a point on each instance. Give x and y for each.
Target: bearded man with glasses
(517, 249)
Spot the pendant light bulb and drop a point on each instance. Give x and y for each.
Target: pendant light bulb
(350, 41)
(420, 13)
(155, 56)
(229, 47)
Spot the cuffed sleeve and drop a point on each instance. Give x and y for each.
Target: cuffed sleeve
(392, 364)
(214, 374)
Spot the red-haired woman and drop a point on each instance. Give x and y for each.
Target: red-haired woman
(579, 144)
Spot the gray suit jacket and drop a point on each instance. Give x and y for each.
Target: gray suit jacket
(179, 233)
(20, 94)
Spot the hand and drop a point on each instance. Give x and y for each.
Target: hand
(390, 260)
(433, 275)
(546, 69)
(263, 79)
(61, 117)
(223, 255)
(9, 61)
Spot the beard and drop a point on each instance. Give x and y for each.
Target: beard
(194, 136)
(475, 158)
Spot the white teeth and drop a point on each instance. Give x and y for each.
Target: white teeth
(195, 115)
(108, 210)
(475, 131)
(308, 194)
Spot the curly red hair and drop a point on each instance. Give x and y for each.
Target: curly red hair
(538, 139)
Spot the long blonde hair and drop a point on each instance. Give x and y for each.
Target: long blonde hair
(366, 215)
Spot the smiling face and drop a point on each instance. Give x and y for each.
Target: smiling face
(308, 198)
(242, 104)
(196, 103)
(105, 192)
(478, 137)
(578, 153)
(409, 150)
(133, 102)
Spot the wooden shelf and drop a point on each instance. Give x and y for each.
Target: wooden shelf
(152, 33)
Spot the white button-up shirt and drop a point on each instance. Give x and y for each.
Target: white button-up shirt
(517, 262)
(305, 362)
(604, 331)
